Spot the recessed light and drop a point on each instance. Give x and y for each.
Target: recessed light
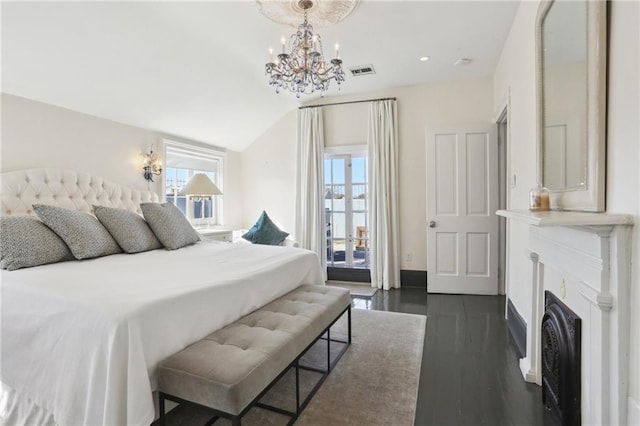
(424, 58)
(462, 62)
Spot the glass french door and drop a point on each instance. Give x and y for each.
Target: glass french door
(346, 208)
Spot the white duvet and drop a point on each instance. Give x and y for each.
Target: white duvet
(81, 340)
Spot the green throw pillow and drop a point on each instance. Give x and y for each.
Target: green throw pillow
(265, 232)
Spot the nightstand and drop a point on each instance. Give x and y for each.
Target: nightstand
(216, 234)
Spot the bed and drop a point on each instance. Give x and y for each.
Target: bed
(81, 339)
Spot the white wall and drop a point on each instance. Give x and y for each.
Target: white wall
(35, 134)
(623, 157)
(516, 71)
(269, 175)
(346, 124)
(269, 163)
(233, 196)
(515, 80)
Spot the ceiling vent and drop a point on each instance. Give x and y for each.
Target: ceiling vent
(362, 70)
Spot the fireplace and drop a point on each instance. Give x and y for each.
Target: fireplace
(561, 367)
(585, 259)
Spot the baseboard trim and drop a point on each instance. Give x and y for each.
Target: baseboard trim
(408, 278)
(517, 329)
(411, 278)
(349, 274)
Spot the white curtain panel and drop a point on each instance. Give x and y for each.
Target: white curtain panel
(382, 142)
(310, 222)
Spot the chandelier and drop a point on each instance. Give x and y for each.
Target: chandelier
(304, 70)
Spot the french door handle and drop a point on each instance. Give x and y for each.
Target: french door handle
(432, 224)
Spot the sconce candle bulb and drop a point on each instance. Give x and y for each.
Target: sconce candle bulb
(152, 164)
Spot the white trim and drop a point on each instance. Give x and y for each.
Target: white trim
(188, 147)
(359, 149)
(504, 106)
(214, 154)
(588, 267)
(349, 209)
(501, 118)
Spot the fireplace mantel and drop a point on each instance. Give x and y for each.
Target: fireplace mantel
(585, 260)
(565, 218)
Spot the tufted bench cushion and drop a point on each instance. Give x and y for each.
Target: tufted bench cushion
(229, 368)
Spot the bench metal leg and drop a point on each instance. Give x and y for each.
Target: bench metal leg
(163, 420)
(349, 323)
(212, 420)
(328, 349)
(297, 387)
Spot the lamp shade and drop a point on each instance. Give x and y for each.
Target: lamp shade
(200, 184)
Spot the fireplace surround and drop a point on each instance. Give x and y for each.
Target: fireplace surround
(584, 259)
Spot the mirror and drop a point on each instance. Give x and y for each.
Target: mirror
(571, 62)
(564, 87)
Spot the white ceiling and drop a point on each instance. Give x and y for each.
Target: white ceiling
(196, 69)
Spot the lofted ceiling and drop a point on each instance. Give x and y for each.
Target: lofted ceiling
(196, 69)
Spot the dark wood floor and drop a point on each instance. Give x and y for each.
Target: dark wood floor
(470, 373)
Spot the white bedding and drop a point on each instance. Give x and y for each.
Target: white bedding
(81, 340)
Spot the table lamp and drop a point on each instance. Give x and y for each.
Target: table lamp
(200, 187)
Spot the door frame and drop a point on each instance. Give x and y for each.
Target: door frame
(503, 142)
(347, 152)
(348, 210)
(507, 181)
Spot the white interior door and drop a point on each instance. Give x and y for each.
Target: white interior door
(462, 198)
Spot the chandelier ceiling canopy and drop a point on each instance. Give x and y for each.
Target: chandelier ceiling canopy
(323, 13)
(304, 68)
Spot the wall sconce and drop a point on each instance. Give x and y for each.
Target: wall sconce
(152, 164)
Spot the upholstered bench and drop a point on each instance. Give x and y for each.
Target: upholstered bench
(231, 369)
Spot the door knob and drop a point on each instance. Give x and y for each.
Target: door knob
(432, 224)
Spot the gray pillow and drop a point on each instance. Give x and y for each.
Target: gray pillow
(84, 235)
(129, 229)
(169, 224)
(27, 242)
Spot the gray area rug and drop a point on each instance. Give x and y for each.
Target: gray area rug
(375, 382)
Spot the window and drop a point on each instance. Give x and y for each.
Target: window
(182, 161)
(346, 210)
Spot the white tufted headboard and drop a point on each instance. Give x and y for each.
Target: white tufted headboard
(65, 188)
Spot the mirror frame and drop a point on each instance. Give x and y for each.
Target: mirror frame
(590, 197)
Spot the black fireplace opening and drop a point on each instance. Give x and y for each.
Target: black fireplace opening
(561, 366)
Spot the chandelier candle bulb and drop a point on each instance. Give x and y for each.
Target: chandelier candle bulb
(337, 51)
(283, 40)
(271, 58)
